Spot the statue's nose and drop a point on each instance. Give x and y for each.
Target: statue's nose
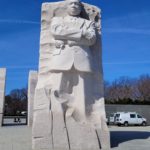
(73, 4)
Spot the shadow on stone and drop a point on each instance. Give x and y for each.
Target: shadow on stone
(118, 137)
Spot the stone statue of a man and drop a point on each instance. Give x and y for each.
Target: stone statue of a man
(73, 35)
(69, 111)
(72, 61)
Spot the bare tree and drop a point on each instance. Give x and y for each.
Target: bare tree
(143, 85)
(16, 101)
(122, 89)
(19, 94)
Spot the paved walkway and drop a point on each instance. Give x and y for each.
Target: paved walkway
(15, 138)
(129, 138)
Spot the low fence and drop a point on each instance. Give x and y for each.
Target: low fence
(143, 110)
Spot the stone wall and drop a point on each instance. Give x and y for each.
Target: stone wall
(143, 110)
(32, 82)
(2, 93)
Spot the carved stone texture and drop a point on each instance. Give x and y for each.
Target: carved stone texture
(42, 122)
(32, 82)
(69, 111)
(2, 93)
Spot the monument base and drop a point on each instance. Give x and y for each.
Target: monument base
(55, 129)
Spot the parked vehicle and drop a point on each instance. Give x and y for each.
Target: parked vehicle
(111, 118)
(129, 118)
(23, 113)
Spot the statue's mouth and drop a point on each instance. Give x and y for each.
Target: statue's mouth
(74, 8)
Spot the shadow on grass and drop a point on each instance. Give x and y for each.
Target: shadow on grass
(118, 137)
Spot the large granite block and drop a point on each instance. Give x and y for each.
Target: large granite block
(2, 93)
(32, 82)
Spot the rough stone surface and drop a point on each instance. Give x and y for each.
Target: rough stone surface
(42, 122)
(32, 82)
(69, 111)
(81, 135)
(2, 93)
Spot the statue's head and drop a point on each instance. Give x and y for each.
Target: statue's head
(73, 7)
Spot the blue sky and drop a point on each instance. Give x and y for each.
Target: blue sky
(125, 37)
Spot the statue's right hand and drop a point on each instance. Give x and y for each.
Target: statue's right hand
(86, 34)
(59, 43)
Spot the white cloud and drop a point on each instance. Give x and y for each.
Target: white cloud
(20, 67)
(135, 23)
(127, 30)
(127, 63)
(18, 21)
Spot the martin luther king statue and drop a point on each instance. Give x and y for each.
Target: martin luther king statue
(69, 111)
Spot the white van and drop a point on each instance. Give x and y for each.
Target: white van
(129, 118)
(111, 118)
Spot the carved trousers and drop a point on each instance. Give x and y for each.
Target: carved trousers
(74, 87)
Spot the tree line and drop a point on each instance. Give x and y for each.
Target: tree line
(15, 102)
(125, 90)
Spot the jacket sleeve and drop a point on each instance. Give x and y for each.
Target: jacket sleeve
(89, 38)
(60, 31)
(85, 35)
(88, 35)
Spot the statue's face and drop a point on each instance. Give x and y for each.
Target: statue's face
(73, 7)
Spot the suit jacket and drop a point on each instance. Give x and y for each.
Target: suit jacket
(76, 49)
